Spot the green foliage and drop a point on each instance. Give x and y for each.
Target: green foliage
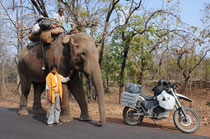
(208, 103)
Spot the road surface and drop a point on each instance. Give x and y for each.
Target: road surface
(13, 126)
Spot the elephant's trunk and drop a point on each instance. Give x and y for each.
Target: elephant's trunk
(96, 76)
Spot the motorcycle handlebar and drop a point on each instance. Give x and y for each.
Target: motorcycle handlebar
(171, 84)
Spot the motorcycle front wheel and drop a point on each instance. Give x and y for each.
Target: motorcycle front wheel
(188, 124)
(130, 116)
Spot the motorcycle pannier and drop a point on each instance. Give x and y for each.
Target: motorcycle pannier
(129, 99)
(133, 88)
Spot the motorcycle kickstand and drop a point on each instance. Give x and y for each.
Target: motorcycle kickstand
(155, 123)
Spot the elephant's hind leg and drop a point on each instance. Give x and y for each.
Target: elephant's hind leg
(25, 89)
(38, 90)
(76, 89)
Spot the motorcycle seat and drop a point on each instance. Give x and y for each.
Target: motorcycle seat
(147, 97)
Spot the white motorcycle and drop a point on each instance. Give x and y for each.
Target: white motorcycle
(165, 99)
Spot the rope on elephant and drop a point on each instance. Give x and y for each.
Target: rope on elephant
(43, 66)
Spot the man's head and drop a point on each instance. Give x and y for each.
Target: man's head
(61, 11)
(53, 69)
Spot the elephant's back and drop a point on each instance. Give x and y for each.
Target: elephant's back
(31, 62)
(30, 48)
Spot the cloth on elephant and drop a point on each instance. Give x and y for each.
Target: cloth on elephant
(45, 24)
(35, 29)
(66, 27)
(67, 37)
(46, 36)
(56, 24)
(55, 85)
(73, 32)
(57, 31)
(34, 37)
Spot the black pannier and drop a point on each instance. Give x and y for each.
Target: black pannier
(162, 85)
(157, 90)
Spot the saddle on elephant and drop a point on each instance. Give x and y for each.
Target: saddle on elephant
(49, 30)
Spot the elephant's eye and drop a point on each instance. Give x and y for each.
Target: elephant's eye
(84, 53)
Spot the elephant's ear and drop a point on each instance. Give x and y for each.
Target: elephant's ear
(72, 46)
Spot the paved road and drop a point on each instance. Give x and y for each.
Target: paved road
(13, 126)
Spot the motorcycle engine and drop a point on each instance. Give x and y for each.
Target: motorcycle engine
(157, 111)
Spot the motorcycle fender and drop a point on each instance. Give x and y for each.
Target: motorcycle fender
(179, 96)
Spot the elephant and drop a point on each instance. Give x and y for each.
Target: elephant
(79, 54)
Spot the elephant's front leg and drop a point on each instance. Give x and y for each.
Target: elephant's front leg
(76, 87)
(65, 106)
(38, 90)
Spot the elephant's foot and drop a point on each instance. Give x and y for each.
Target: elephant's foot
(39, 111)
(23, 112)
(66, 118)
(85, 117)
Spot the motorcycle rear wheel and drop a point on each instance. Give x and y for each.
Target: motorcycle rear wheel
(130, 118)
(183, 124)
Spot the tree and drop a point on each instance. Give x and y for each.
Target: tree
(112, 6)
(142, 34)
(40, 7)
(189, 55)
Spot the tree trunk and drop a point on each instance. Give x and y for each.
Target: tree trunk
(140, 78)
(3, 77)
(185, 84)
(160, 68)
(103, 43)
(123, 69)
(107, 83)
(109, 13)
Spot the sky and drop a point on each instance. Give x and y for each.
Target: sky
(190, 9)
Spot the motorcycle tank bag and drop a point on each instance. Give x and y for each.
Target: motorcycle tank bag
(157, 90)
(166, 100)
(133, 88)
(160, 87)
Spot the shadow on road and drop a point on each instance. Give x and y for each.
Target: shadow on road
(16, 110)
(13, 110)
(89, 122)
(143, 124)
(40, 118)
